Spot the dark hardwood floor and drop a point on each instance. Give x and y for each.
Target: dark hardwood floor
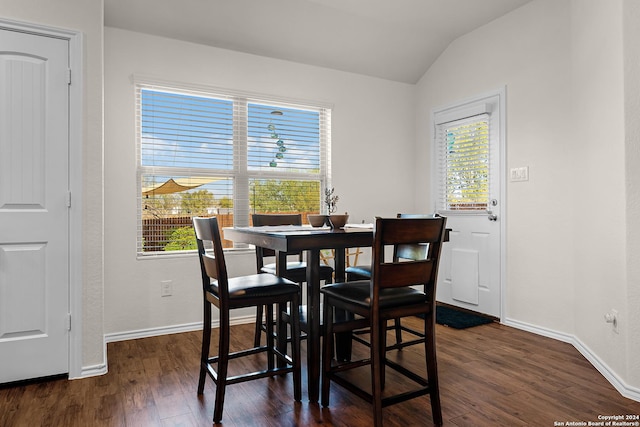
(490, 375)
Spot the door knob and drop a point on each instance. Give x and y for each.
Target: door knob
(492, 216)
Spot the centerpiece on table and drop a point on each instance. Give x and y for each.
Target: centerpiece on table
(331, 200)
(332, 219)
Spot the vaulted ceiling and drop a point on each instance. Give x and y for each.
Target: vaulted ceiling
(391, 39)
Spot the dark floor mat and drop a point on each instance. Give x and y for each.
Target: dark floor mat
(459, 319)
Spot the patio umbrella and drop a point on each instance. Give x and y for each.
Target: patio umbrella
(176, 185)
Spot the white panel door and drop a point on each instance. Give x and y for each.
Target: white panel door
(468, 189)
(34, 212)
(469, 274)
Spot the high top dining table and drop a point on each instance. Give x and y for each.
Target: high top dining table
(290, 238)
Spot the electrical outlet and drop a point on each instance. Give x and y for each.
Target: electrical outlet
(612, 317)
(166, 288)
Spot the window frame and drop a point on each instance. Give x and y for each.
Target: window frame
(241, 174)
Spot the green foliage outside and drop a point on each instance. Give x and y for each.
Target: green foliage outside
(267, 196)
(197, 202)
(226, 203)
(181, 239)
(161, 204)
(285, 196)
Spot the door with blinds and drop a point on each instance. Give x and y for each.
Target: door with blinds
(468, 191)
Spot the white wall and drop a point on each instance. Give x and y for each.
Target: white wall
(562, 64)
(528, 52)
(372, 136)
(86, 17)
(599, 179)
(631, 13)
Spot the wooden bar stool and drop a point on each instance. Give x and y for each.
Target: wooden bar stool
(388, 295)
(257, 290)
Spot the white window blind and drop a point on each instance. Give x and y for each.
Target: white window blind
(463, 163)
(182, 130)
(282, 139)
(228, 154)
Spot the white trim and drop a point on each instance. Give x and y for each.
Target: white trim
(76, 122)
(92, 371)
(528, 327)
(154, 332)
(456, 113)
(76, 43)
(37, 29)
(623, 388)
(150, 81)
(175, 329)
(502, 101)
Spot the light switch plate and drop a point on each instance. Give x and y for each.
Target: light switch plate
(519, 174)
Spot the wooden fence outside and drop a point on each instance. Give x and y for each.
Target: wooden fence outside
(156, 231)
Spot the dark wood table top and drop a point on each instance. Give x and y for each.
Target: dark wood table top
(291, 238)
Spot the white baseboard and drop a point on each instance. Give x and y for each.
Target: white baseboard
(623, 388)
(175, 329)
(92, 371)
(152, 332)
(101, 369)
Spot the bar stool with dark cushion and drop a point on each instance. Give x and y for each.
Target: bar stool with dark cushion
(228, 293)
(406, 252)
(389, 294)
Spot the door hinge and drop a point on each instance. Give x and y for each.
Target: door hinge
(68, 199)
(68, 321)
(69, 76)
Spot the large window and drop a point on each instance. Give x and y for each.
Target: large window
(206, 153)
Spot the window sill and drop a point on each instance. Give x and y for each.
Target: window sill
(189, 254)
